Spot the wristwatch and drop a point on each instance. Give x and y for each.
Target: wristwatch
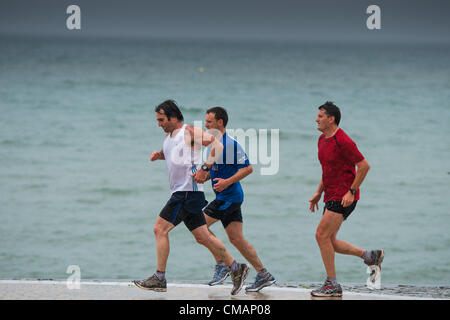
(205, 167)
(353, 191)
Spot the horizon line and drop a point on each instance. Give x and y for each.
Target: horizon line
(227, 39)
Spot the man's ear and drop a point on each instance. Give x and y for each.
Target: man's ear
(334, 119)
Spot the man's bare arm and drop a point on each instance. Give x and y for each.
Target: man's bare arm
(157, 155)
(241, 174)
(314, 201)
(198, 137)
(222, 184)
(320, 188)
(216, 149)
(361, 172)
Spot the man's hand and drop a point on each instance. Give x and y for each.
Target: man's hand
(314, 202)
(347, 199)
(221, 184)
(156, 155)
(200, 176)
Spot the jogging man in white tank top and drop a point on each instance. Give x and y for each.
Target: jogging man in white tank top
(182, 154)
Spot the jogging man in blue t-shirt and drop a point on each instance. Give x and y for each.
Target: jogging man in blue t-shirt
(231, 167)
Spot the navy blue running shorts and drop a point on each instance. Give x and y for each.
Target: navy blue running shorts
(225, 211)
(185, 206)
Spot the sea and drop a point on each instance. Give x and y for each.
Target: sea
(77, 127)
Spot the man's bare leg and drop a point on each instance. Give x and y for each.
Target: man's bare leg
(210, 221)
(343, 247)
(161, 231)
(236, 236)
(329, 225)
(214, 245)
(157, 281)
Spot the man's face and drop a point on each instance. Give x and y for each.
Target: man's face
(163, 122)
(323, 120)
(211, 122)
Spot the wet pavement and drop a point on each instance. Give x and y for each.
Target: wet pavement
(125, 290)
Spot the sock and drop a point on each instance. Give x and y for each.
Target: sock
(366, 256)
(332, 280)
(161, 275)
(234, 266)
(261, 273)
(222, 264)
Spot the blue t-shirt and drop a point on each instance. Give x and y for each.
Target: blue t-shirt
(231, 160)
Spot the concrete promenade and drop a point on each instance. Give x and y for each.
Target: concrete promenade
(123, 290)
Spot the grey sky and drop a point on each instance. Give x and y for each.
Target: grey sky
(321, 20)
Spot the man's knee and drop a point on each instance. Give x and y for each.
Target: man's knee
(236, 240)
(157, 231)
(235, 235)
(203, 237)
(322, 235)
(160, 231)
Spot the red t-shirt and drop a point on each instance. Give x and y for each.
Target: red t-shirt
(338, 156)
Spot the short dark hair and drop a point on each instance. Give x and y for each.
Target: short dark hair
(332, 111)
(220, 114)
(170, 109)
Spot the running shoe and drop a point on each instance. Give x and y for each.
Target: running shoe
(328, 289)
(220, 274)
(375, 273)
(238, 278)
(261, 282)
(152, 283)
(374, 262)
(375, 258)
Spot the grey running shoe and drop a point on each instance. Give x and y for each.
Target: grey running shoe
(220, 274)
(261, 282)
(328, 290)
(152, 283)
(374, 262)
(375, 258)
(238, 278)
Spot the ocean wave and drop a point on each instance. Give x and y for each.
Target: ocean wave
(111, 191)
(13, 143)
(300, 136)
(36, 186)
(115, 191)
(194, 110)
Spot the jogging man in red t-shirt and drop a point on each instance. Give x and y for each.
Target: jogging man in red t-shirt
(338, 155)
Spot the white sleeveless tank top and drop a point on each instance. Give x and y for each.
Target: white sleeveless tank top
(181, 162)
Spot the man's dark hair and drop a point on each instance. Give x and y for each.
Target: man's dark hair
(170, 109)
(219, 114)
(332, 110)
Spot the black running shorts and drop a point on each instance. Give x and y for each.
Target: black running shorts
(337, 207)
(225, 211)
(185, 206)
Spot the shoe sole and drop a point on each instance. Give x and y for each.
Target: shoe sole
(266, 284)
(150, 289)
(324, 295)
(244, 276)
(220, 281)
(375, 274)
